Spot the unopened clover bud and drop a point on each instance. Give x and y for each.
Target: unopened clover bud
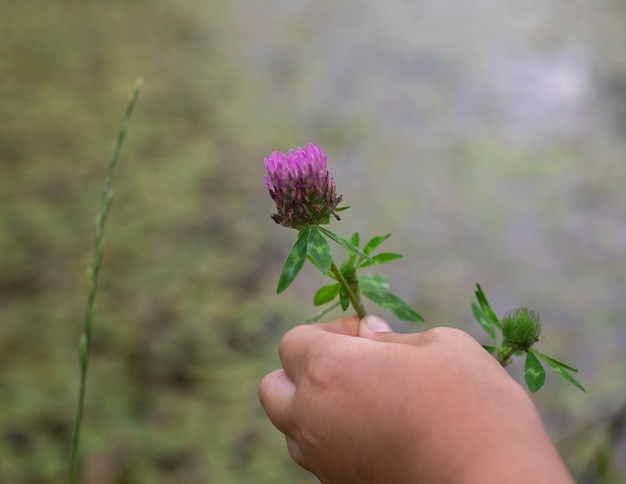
(521, 329)
(300, 185)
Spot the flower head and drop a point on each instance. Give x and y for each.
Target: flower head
(300, 185)
(521, 328)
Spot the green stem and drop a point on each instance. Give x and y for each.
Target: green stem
(504, 354)
(355, 300)
(85, 339)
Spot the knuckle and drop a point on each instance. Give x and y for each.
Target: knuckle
(287, 342)
(445, 333)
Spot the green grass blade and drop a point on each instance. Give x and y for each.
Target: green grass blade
(94, 270)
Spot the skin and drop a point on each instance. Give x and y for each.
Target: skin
(383, 407)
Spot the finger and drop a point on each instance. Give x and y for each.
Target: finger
(276, 392)
(348, 325)
(375, 328)
(370, 326)
(297, 344)
(295, 451)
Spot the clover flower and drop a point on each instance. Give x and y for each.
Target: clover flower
(521, 328)
(300, 185)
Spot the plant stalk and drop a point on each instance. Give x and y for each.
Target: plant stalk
(355, 300)
(504, 355)
(85, 339)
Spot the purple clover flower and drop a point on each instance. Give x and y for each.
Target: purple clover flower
(300, 185)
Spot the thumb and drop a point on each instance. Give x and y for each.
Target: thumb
(375, 327)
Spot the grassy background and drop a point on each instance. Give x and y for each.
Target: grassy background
(187, 321)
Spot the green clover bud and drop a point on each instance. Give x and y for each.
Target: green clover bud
(521, 329)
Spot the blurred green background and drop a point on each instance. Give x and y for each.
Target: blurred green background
(487, 137)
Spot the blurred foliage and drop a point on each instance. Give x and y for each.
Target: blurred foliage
(186, 316)
(183, 332)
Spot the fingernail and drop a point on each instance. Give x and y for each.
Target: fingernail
(376, 324)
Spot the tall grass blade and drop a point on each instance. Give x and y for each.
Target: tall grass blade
(85, 339)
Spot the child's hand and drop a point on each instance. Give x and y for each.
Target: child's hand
(402, 408)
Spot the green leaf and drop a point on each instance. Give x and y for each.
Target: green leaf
(393, 303)
(319, 250)
(534, 374)
(312, 261)
(375, 242)
(295, 261)
(559, 368)
(373, 282)
(344, 299)
(490, 349)
(484, 322)
(555, 361)
(326, 294)
(322, 313)
(341, 209)
(484, 304)
(344, 243)
(381, 258)
(329, 273)
(354, 241)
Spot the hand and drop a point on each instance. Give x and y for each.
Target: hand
(402, 408)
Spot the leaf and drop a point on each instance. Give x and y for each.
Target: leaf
(326, 294)
(295, 261)
(560, 363)
(559, 368)
(393, 303)
(354, 241)
(319, 250)
(344, 243)
(490, 349)
(534, 374)
(343, 299)
(341, 209)
(484, 322)
(484, 304)
(322, 313)
(329, 273)
(310, 259)
(381, 258)
(375, 242)
(373, 282)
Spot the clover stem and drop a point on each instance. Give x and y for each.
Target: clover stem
(355, 300)
(504, 355)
